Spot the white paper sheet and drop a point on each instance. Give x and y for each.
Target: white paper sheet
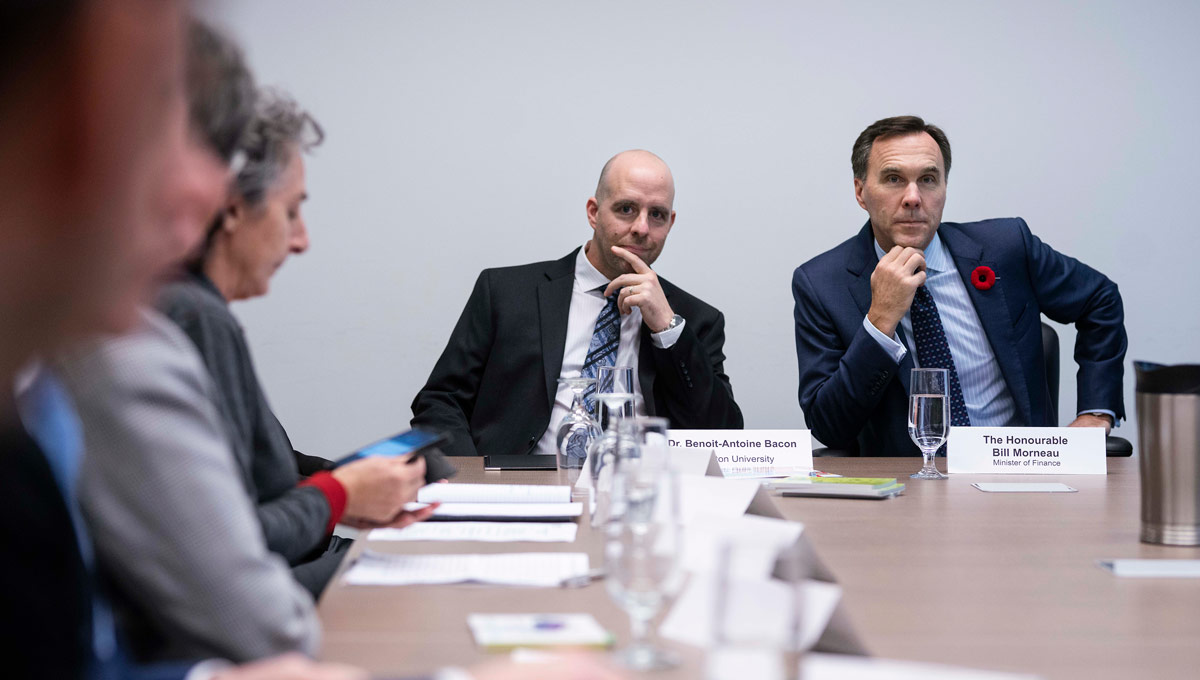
(515, 569)
(756, 542)
(1167, 568)
(489, 532)
(1024, 487)
(843, 667)
(486, 511)
(494, 493)
(758, 610)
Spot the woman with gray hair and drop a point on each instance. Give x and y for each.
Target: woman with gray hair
(259, 228)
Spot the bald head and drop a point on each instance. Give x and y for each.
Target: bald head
(638, 163)
(632, 209)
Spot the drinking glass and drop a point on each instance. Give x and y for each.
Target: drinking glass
(928, 416)
(606, 450)
(615, 380)
(643, 542)
(577, 430)
(614, 397)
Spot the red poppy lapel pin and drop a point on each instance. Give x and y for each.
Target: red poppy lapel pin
(983, 278)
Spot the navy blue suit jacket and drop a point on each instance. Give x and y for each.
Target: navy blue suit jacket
(853, 394)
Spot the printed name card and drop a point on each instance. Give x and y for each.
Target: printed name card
(748, 453)
(1027, 450)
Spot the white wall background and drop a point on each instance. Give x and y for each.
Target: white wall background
(465, 135)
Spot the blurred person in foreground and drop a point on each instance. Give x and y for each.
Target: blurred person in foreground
(100, 188)
(164, 499)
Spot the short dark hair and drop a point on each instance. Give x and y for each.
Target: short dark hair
(890, 127)
(220, 89)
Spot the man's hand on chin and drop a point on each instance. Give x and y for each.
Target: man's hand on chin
(1092, 420)
(641, 289)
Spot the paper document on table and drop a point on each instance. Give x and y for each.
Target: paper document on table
(758, 610)
(846, 667)
(489, 532)
(1024, 487)
(503, 511)
(758, 541)
(1168, 568)
(517, 631)
(510, 569)
(494, 493)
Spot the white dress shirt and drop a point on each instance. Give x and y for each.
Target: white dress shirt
(587, 301)
(988, 401)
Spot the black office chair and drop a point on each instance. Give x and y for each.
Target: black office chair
(1115, 447)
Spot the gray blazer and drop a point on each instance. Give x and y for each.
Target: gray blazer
(167, 505)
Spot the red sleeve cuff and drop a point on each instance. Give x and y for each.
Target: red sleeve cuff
(334, 493)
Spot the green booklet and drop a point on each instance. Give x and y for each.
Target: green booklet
(873, 482)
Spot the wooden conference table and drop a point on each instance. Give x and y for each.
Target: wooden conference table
(944, 573)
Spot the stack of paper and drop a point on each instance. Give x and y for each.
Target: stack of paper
(499, 502)
(489, 532)
(514, 569)
(839, 487)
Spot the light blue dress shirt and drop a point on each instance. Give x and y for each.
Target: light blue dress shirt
(988, 401)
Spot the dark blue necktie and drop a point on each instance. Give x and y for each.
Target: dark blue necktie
(934, 352)
(602, 351)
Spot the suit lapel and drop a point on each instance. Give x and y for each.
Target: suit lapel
(992, 309)
(860, 263)
(554, 305)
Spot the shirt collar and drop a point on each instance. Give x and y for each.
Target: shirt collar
(587, 277)
(937, 258)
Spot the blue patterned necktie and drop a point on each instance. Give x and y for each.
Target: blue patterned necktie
(602, 351)
(934, 352)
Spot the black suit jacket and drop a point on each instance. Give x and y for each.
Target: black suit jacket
(45, 592)
(493, 387)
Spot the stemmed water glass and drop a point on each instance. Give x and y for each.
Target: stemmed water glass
(644, 541)
(614, 394)
(928, 416)
(577, 430)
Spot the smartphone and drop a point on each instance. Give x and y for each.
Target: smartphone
(416, 442)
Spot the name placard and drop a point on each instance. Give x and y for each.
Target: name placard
(1027, 450)
(749, 453)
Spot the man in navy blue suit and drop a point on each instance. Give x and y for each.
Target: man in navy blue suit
(912, 291)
